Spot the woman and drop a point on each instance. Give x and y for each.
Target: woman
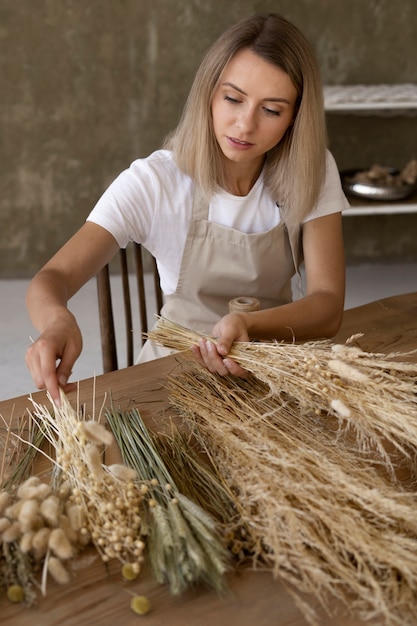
(242, 192)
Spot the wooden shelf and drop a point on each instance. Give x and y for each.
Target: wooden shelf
(376, 207)
(398, 99)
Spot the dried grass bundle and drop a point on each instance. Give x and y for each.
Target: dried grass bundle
(184, 543)
(325, 509)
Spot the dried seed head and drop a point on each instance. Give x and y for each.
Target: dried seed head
(96, 433)
(59, 544)
(15, 593)
(340, 408)
(58, 571)
(26, 541)
(122, 472)
(40, 541)
(28, 515)
(11, 533)
(33, 488)
(93, 458)
(76, 516)
(346, 371)
(4, 524)
(66, 526)
(140, 605)
(130, 571)
(50, 510)
(4, 500)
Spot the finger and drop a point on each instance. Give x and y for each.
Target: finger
(50, 382)
(214, 360)
(235, 369)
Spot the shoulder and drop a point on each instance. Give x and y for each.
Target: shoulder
(159, 165)
(332, 198)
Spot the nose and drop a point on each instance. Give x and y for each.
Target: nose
(247, 119)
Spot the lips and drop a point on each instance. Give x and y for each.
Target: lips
(239, 143)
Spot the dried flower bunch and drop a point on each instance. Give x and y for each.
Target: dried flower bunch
(120, 508)
(304, 444)
(17, 565)
(46, 524)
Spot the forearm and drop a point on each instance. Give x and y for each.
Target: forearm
(46, 298)
(316, 315)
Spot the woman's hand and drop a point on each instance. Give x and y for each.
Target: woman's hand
(213, 355)
(51, 357)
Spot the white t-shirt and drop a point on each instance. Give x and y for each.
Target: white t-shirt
(151, 203)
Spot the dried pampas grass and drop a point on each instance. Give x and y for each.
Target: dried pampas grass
(310, 444)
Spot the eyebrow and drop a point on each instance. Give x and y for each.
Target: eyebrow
(226, 84)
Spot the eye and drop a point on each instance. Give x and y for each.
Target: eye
(272, 112)
(231, 100)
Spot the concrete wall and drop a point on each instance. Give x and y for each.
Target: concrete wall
(89, 85)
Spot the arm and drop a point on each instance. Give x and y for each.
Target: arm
(51, 357)
(317, 314)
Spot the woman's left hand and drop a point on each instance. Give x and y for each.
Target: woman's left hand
(213, 355)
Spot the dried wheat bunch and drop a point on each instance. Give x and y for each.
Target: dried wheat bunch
(326, 511)
(371, 396)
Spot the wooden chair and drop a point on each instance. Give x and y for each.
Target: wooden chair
(105, 306)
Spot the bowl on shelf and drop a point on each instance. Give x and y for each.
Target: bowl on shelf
(377, 183)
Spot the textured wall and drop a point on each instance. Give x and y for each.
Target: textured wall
(89, 85)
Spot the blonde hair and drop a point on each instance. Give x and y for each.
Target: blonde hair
(295, 167)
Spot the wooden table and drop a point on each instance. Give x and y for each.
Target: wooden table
(97, 594)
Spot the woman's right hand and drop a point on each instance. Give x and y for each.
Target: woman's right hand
(51, 357)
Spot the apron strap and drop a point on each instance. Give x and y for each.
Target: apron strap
(200, 205)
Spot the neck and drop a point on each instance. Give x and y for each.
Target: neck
(240, 180)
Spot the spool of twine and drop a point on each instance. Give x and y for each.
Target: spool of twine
(244, 304)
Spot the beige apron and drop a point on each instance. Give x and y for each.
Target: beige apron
(221, 263)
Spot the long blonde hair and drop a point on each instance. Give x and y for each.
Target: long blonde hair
(295, 167)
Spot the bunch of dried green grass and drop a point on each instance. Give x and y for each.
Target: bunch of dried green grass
(304, 443)
(184, 542)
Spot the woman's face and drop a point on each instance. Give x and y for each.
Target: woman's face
(252, 107)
